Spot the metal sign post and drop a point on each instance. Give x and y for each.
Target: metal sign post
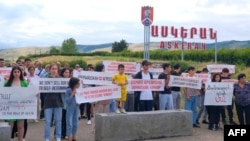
(147, 20)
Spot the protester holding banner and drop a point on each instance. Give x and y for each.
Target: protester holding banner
(65, 73)
(122, 80)
(226, 75)
(201, 101)
(214, 110)
(176, 94)
(242, 99)
(16, 80)
(165, 97)
(53, 104)
(72, 109)
(103, 105)
(144, 99)
(191, 97)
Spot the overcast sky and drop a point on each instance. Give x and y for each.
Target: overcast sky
(49, 22)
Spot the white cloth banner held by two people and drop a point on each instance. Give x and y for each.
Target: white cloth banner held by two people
(52, 85)
(144, 85)
(218, 93)
(93, 94)
(189, 82)
(18, 103)
(91, 77)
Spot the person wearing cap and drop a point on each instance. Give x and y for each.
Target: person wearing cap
(144, 99)
(202, 98)
(226, 75)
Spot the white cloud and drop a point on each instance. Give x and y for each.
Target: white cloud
(49, 22)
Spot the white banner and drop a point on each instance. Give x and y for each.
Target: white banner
(206, 77)
(91, 77)
(156, 72)
(230, 80)
(130, 67)
(218, 93)
(52, 85)
(189, 82)
(218, 68)
(144, 85)
(93, 94)
(18, 103)
(1, 80)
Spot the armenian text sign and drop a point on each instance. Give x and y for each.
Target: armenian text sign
(144, 85)
(189, 82)
(218, 93)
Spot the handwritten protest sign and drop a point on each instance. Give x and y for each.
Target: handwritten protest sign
(1, 80)
(189, 82)
(98, 78)
(53, 85)
(156, 72)
(218, 68)
(93, 94)
(206, 77)
(144, 85)
(18, 103)
(130, 67)
(5, 72)
(218, 93)
(230, 80)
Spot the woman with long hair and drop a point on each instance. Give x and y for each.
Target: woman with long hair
(72, 109)
(53, 105)
(214, 110)
(16, 80)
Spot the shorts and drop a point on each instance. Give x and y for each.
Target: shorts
(123, 97)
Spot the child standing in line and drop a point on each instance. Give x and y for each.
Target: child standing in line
(122, 80)
(72, 109)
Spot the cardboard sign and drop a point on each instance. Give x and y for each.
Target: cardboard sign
(189, 82)
(18, 103)
(144, 85)
(52, 85)
(218, 93)
(93, 94)
(130, 67)
(217, 68)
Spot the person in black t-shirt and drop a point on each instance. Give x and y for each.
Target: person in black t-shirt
(165, 97)
(176, 90)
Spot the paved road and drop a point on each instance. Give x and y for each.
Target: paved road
(85, 133)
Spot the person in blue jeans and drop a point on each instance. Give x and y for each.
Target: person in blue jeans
(191, 98)
(53, 105)
(72, 109)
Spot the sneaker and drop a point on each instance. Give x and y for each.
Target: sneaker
(205, 122)
(117, 111)
(47, 140)
(35, 120)
(123, 111)
(58, 139)
(42, 119)
(224, 122)
(89, 122)
(196, 126)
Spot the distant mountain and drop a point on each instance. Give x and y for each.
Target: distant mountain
(88, 48)
(233, 44)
